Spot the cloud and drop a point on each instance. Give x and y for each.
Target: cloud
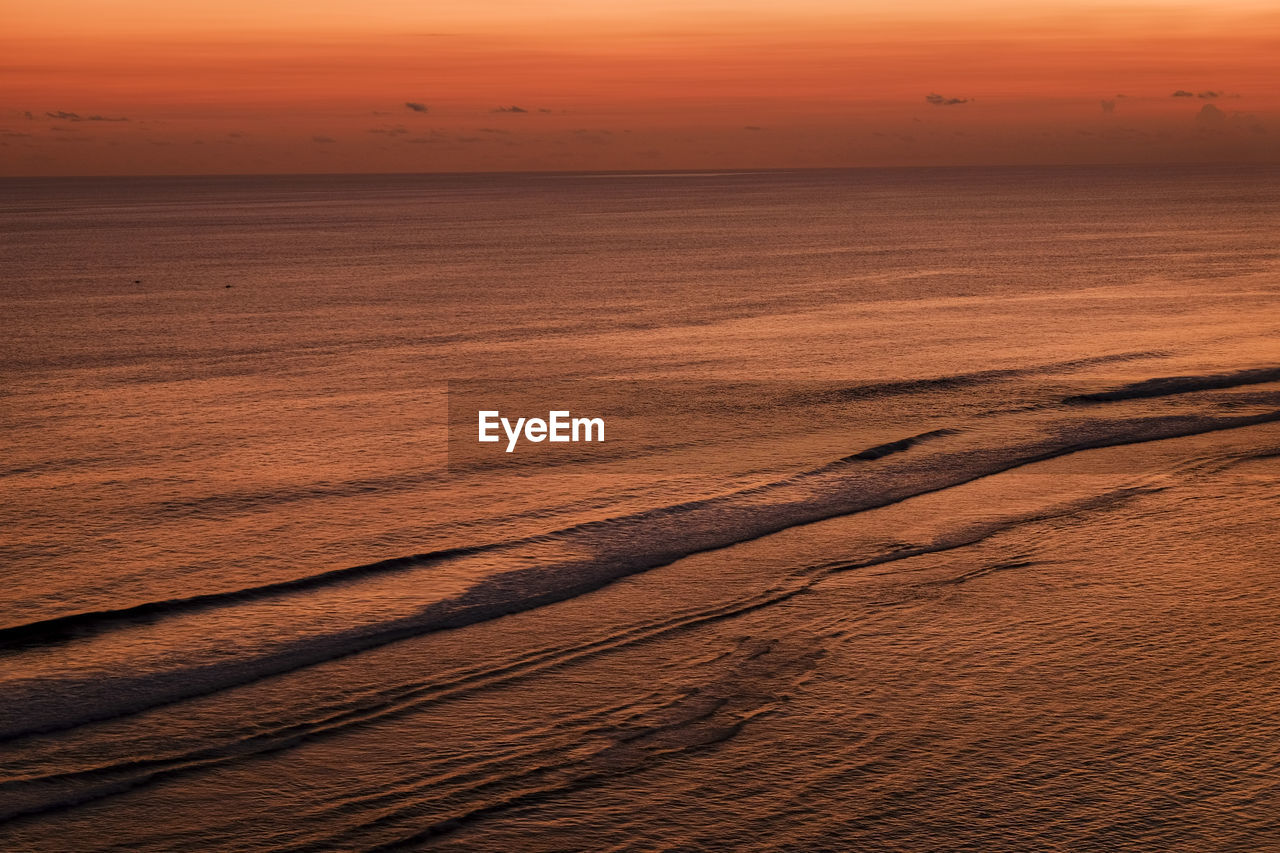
(1214, 120)
(1108, 106)
(1182, 93)
(415, 106)
(63, 115)
(511, 109)
(394, 130)
(752, 127)
(323, 140)
(939, 101)
(1209, 94)
(1211, 116)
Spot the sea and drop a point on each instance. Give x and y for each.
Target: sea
(975, 547)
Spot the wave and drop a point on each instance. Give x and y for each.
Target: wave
(587, 557)
(60, 790)
(895, 387)
(73, 625)
(1167, 386)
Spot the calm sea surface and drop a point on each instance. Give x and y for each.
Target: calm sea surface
(995, 568)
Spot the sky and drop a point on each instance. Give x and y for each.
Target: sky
(237, 87)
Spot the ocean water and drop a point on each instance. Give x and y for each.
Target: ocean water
(994, 566)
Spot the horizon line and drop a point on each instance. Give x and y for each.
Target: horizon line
(692, 172)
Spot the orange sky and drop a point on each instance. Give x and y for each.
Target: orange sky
(144, 87)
